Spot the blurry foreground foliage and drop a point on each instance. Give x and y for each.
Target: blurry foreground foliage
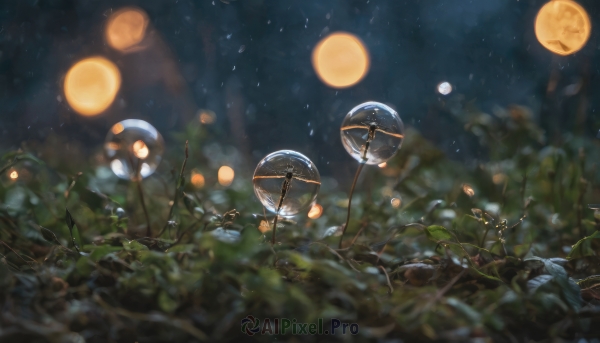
(505, 250)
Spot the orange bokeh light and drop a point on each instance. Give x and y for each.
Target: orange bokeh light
(315, 212)
(264, 226)
(207, 116)
(14, 175)
(226, 175)
(197, 180)
(126, 28)
(468, 190)
(341, 60)
(91, 85)
(117, 128)
(140, 149)
(562, 26)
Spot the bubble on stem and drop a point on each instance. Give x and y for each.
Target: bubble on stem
(286, 182)
(372, 133)
(134, 149)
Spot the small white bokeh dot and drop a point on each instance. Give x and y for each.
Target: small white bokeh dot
(444, 88)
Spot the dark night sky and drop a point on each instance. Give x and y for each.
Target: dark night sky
(267, 97)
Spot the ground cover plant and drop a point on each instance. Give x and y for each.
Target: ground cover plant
(504, 249)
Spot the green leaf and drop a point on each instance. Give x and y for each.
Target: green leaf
(134, 246)
(71, 225)
(191, 205)
(522, 249)
(49, 236)
(30, 157)
(19, 156)
(572, 293)
(84, 266)
(464, 309)
(181, 183)
(538, 281)
(102, 251)
(584, 247)
(589, 281)
(166, 303)
(438, 233)
(568, 287)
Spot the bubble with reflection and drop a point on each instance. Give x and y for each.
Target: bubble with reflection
(126, 28)
(286, 182)
(91, 85)
(372, 132)
(340, 60)
(562, 26)
(134, 149)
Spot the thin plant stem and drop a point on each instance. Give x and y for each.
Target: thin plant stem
(141, 193)
(274, 228)
(19, 256)
(138, 182)
(177, 185)
(360, 167)
(487, 229)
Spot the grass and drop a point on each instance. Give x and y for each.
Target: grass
(505, 249)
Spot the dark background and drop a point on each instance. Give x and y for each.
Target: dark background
(267, 97)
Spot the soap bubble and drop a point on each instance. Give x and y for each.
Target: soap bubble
(372, 132)
(286, 182)
(134, 148)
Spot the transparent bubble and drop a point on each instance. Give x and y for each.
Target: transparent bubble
(372, 132)
(134, 149)
(120, 213)
(286, 182)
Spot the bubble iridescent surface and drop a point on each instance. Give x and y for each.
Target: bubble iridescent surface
(134, 145)
(275, 170)
(377, 124)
